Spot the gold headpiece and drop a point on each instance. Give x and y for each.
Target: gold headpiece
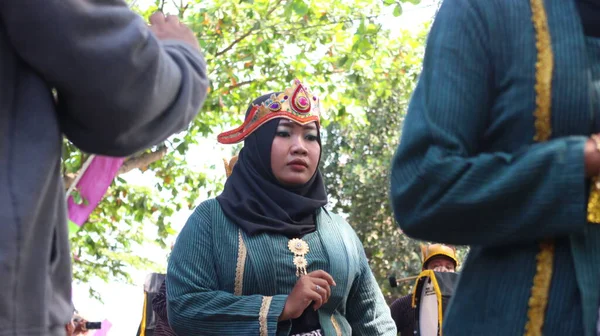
(435, 250)
(295, 103)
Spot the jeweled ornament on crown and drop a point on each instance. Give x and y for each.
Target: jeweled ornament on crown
(303, 101)
(274, 106)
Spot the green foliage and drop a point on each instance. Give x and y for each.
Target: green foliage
(254, 47)
(356, 170)
(357, 162)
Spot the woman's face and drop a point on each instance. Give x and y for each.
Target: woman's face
(295, 152)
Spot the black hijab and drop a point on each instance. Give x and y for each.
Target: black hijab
(589, 11)
(257, 202)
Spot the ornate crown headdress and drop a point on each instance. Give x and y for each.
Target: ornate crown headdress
(434, 250)
(295, 103)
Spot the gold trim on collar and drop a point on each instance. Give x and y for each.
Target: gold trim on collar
(241, 264)
(336, 326)
(544, 66)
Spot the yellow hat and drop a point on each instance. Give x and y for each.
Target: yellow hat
(229, 165)
(435, 250)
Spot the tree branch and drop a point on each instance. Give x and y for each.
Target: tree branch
(142, 160)
(248, 82)
(68, 180)
(181, 8)
(236, 41)
(294, 27)
(246, 34)
(131, 163)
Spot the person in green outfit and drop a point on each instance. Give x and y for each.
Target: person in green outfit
(265, 257)
(498, 151)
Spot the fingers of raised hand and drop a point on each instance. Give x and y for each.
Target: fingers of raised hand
(157, 18)
(322, 275)
(322, 287)
(172, 19)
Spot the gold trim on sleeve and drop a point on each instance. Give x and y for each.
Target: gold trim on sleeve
(262, 317)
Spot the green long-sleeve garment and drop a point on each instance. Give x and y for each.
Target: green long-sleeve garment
(468, 170)
(222, 282)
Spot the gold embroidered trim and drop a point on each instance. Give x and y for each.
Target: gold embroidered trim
(538, 299)
(593, 208)
(544, 68)
(336, 326)
(262, 316)
(241, 264)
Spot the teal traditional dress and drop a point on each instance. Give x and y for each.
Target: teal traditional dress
(492, 156)
(223, 282)
(241, 254)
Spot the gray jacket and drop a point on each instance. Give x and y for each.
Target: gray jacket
(120, 90)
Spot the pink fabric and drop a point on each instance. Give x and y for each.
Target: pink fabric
(92, 186)
(106, 325)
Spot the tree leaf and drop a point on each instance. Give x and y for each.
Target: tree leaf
(300, 7)
(398, 10)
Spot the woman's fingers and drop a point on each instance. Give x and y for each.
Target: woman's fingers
(322, 287)
(322, 275)
(314, 296)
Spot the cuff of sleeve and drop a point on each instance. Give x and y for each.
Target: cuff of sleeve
(274, 310)
(182, 45)
(574, 185)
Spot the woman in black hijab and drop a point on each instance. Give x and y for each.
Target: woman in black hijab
(265, 257)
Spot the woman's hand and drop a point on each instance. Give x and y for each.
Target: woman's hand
(592, 157)
(313, 287)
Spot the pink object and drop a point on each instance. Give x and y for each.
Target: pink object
(106, 325)
(92, 186)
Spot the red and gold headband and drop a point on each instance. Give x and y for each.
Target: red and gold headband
(295, 103)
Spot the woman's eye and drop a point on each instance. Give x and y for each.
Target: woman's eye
(311, 137)
(283, 134)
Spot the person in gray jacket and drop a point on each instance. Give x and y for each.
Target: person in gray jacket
(122, 86)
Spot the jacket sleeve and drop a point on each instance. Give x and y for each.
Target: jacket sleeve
(194, 299)
(443, 188)
(367, 311)
(120, 89)
(403, 313)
